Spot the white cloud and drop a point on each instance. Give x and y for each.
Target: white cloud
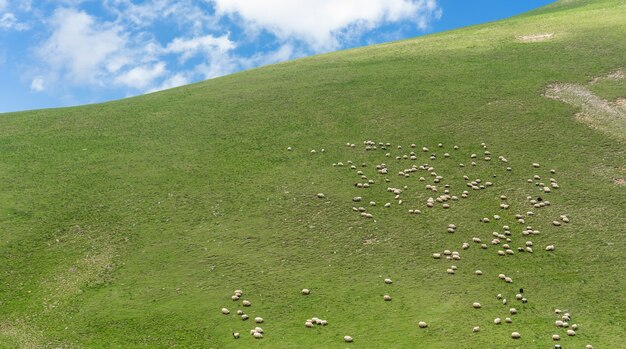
(174, 81)
(37, 85)
(142, 76)
(81, 47)
(208, 44)
(3, 4)
(9, 21)
(320, 22)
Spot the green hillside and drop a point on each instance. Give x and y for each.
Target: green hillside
(130, 224)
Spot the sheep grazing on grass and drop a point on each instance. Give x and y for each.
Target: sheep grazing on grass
(516, 335)
(347, 339)
(556, 337)
(502, 276)
(422, 324)
(234, 297)
(258, 320)
(465, 246)
(387, 298)
(239, 312)
(225, 311)
(513, 311)
(321, 195)
(483, 246)
(450, 271)
(518, 296)
(258, 335)
(306, 291)
(556, 223)
(476, 305)
(246, 303)
(244, 317)
(436, 255)
(501, 253)
(476, 329)
(574, 327)
(236, 335)
(508, 320)
(357, 199)
(388, 281)
(558, 323)
(238, 293)
(536, 165)
(308, 324)
(589, 346)
(497, 321)
(550, 248)
(478, 272)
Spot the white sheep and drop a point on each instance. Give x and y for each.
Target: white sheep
(236, 335)
(347, 339)
(388, 281)
(497, 321)
(422, 324)
(225, 311)
(306, 291)
(516, 335)
(387, 298)
(321, 195)
(476, 329)
(246, 303)
(308, 324)
(508, 320)
(556, 337)
(513, 311)
(258, 320)
(244, 317)
(258, 335)
(550, 248)
(478, 272)
(476, 305)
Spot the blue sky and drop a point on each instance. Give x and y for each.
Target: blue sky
(57, 53)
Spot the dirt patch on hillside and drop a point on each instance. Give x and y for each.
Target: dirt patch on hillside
(619, 181)
(596, 112)
(619, 74)
(535, 37)
(621, 102)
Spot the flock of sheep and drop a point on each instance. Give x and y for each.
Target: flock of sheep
(442, 196)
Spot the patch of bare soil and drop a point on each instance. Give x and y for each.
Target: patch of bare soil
(619, 74)
(535, 37)
(596, 112)
(619, 181)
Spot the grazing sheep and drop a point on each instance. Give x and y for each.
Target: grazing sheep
(504, 301)
(450, 271)
(508, 320)
(465, 246)
(516, 335)
(499, 296)
(550, 248)
(497, 321)
(387, 298)
(234, 297)
(476, 329)
(556, 337)
(321, 195)
(501, 253)
(388, 281)
(257, 335)
(436, 255)
(518, 296)
(236, 335)
(508, 280)
(308, 324)
(558, 323)
(478, 272)
(422, 324)
(306, 291)
(239, 312)
(225, 311)
(258, 320)
(574, 327)
(524, 300)
(476, 305)
(244, 317)
(246, 303)
(513, 311)
(589, 346)
(347, 339)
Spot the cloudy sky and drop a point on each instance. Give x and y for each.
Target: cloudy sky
(67, 52)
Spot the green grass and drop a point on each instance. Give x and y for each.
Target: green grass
(129, 224)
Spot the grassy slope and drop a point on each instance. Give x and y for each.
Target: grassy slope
(128, 224)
